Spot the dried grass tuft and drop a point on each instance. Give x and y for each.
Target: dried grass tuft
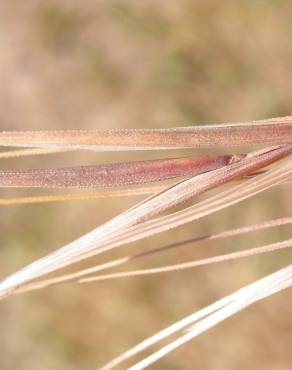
(246, 176)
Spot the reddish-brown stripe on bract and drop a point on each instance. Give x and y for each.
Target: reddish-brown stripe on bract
(114, 175)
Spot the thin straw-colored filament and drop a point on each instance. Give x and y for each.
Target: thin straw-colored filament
(83, 196)
(32, 152)
(118, 262)
(191, 264)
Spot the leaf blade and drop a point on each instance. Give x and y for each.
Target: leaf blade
(272, 132)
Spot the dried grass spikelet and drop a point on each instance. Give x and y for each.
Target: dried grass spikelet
(246, 174)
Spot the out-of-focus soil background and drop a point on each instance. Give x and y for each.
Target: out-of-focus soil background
(111, 64)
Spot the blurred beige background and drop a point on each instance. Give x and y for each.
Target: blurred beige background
(102, 64)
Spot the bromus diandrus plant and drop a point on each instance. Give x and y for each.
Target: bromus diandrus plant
(247, 174)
